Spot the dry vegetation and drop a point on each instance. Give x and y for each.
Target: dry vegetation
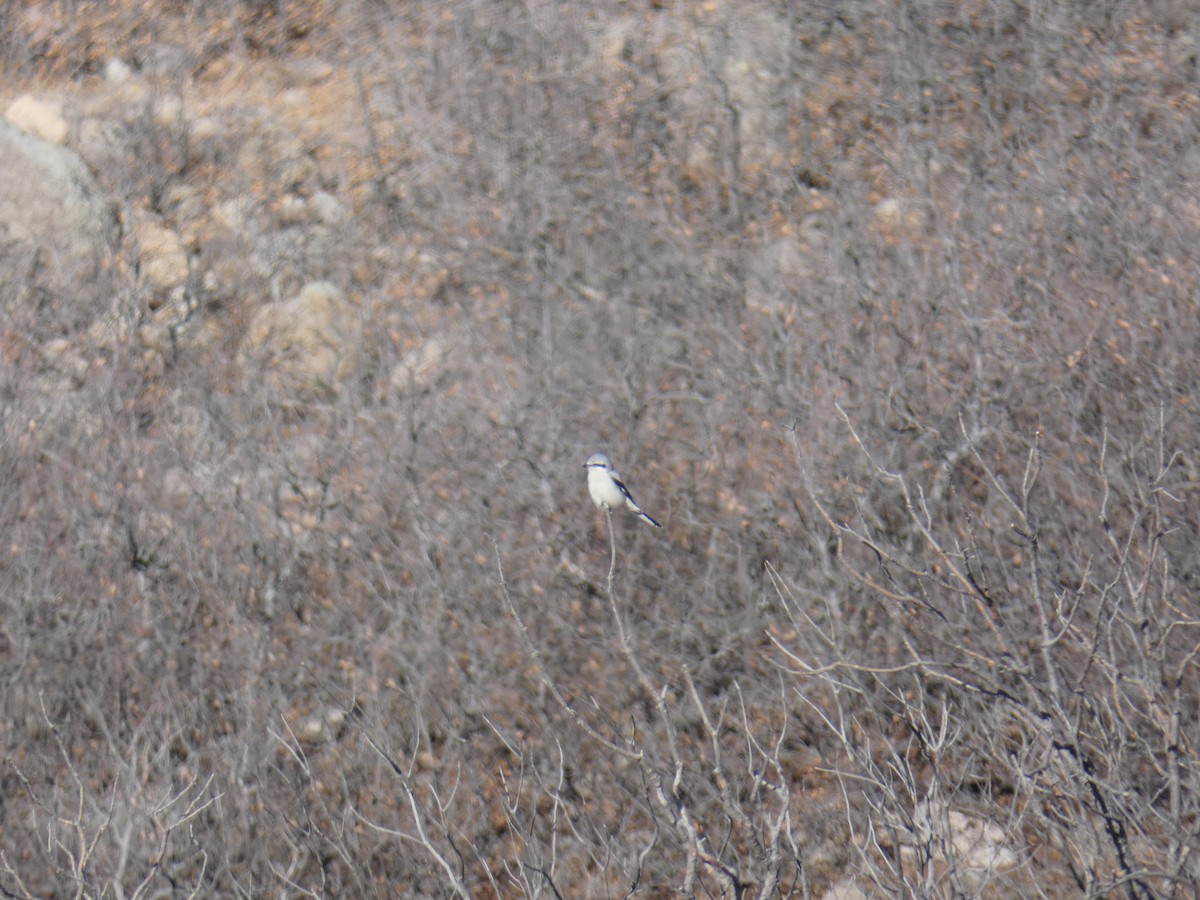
(889, 311)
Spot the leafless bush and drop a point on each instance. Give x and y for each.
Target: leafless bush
(1034, 672)
(729, 825)
(890, 313)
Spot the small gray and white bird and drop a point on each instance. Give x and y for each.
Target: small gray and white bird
(608, 491)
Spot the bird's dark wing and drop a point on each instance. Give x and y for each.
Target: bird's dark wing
(624, 490)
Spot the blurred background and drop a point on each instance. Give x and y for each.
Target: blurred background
(311, 312)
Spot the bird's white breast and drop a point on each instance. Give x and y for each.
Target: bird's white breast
(604, 490)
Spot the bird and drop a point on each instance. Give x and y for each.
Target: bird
(608, 490)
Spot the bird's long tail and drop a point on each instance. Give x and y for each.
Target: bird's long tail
(645, 518)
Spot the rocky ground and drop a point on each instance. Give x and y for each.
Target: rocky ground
(310, 314)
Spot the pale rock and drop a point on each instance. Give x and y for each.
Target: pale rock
(615, 43)
(982, 847)
(163, 259)
(291, 209)
(295, 165)
(117, 71)
(979, 848)
(322, 727)
(327, 209)
(110, 331)
(739, 60)
(40, 118)
(204, 128)
(182, 202)
(335, 719)
(55, 223)
(310, 343)
(887, 214)
(168, 109)
(234, 214)
(98, 138)
(155, 336)
(893, 219)
(307, 70)
(55, 348)
(63, 358)
(312, 729)
(299, 502)
(419, 366)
